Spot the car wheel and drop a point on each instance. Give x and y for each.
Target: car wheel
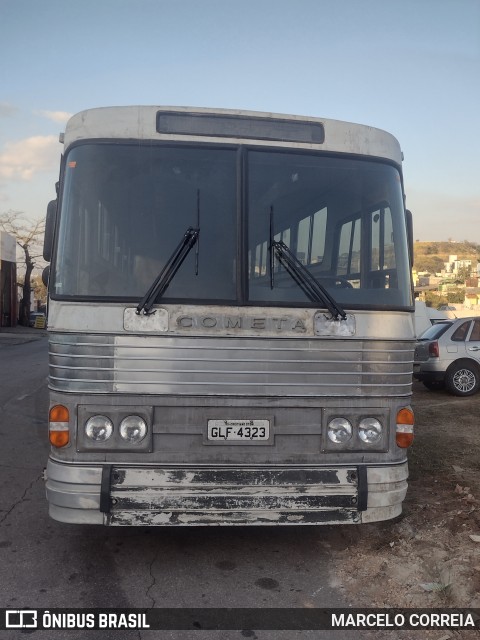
(462, 379)
(434, 385)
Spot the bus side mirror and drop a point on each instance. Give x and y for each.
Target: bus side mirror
(49, 230)
(46, 275)
(409, 220)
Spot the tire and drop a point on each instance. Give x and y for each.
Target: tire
(434, 385)
(462, 378)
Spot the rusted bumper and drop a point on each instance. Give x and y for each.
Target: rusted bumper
(224, 496)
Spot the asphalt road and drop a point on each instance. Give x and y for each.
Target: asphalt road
(46, 564)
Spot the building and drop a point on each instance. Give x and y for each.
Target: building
(454, 265)
(8, 280)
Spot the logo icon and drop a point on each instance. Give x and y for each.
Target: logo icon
(20, 619)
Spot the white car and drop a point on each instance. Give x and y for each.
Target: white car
(448, 355)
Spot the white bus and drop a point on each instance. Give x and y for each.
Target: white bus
(231, 321)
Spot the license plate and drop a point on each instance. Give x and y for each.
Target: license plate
(238, 430)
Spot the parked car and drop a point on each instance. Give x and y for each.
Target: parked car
(446, 307)
(447, 355)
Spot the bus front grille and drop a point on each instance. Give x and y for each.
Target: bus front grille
(230, 366)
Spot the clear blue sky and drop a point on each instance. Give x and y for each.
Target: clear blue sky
(411, 67)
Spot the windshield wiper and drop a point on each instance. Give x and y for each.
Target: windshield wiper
(166, 275)
(312, 288)
(315, 291)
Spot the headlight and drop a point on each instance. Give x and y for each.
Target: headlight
(133, 429)
(339, 430)
(99, 428)
(370, 430)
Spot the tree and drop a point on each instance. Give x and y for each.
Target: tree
(432, 248)
(435, 299)
(29, 237)
(39, 289)
(463, 273)
(456, 295)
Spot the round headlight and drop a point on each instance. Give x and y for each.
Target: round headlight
(133, 429)
(339, 430)
(99, 428)
(370, 430)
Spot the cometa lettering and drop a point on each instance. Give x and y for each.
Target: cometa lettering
(260, 323)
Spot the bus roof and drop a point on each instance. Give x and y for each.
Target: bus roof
(194, 124)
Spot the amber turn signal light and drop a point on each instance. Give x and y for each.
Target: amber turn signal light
(405, 422)
(58, 420)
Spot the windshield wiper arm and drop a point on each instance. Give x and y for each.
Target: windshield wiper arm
(314, 290)
(166, 275)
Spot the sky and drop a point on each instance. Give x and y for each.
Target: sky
(411, 67)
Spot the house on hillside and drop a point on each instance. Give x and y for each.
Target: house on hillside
(455, 266)
(472, 298)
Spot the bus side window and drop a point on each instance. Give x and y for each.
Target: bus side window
(258, 268)
(319, 230)
(383, 249)
(348, 261)
(311, 237)
(382, 257)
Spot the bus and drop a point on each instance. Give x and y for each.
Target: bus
(230, 318)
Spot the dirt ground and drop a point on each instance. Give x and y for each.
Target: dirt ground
(430, 556)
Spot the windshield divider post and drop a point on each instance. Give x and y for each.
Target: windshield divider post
(271, 251)
(197, 248)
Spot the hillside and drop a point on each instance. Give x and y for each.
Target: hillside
(430, 256)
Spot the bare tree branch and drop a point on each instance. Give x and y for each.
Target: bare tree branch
(29, 237)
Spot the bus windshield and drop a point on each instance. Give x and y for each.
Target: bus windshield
(125, 206)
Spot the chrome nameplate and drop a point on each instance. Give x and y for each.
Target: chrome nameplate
(155, 322)
(248, 322)
(325, 325)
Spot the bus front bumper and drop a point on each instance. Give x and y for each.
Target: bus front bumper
(122, 495)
